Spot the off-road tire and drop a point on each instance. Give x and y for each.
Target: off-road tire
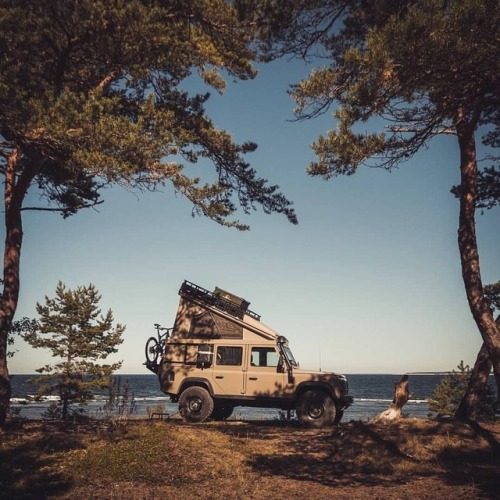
(195, 405)
(222, 412)
(316, 409)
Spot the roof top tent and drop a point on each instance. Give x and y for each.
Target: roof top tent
(216, 315)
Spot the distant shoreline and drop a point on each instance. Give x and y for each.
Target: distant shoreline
(449, 372)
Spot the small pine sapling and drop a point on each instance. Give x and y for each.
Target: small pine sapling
(72, 327)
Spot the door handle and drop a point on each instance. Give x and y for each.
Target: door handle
(252, 378)
(219, 376)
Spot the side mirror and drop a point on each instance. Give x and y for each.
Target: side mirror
(281, 365)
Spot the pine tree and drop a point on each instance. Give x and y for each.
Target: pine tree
(72, 327)
(450, 391)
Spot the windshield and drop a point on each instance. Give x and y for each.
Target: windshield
(289, 355)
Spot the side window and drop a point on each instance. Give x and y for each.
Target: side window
(229, 355)
(204, 357)
(264, 356)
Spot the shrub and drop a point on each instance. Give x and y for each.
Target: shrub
(449, 392)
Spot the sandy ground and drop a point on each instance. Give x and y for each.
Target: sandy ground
(412, 459)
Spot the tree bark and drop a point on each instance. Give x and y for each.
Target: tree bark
(467, 243)
(469, 405)
(17, 181)
(401, 397)
(476, 389)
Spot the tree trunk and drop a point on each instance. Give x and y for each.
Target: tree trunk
(467, 243)
(476, 389)
(469, 405)
(17, 182)
(401, 397)
(5, 390)
(64, 401)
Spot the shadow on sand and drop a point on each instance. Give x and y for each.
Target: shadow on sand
(27, 469)
(367, 454)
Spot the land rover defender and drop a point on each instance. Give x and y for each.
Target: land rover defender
(218, 355)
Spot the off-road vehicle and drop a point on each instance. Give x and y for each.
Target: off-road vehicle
(219, 355)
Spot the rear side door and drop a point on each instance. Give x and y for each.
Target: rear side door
(227, 373)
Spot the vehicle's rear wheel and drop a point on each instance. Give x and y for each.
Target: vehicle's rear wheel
(316, 409)
(222, 412)
(195, 405)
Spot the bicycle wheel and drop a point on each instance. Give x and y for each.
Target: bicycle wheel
(152, 350)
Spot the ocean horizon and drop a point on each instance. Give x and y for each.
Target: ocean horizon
(372, 393)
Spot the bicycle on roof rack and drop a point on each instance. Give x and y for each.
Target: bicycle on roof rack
(155, 347)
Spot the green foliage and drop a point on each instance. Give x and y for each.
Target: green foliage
(19, 327)
(101, 101)
(492, 294)
(488, 188)
(450, 391)
(424, 67)
(53, 412)
(72, 327)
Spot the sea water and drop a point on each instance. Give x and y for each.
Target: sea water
(372, 394)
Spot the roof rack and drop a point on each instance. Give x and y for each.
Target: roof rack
(220, 299)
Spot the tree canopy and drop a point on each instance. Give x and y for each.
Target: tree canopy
(91, 95)
(415, 64)
(396, 74)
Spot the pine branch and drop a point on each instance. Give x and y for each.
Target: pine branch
(61, 210)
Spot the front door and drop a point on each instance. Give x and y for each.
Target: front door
(263, 378)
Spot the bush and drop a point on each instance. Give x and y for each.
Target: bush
(449, 392)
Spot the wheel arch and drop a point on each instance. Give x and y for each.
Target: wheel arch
(314, 386)
(195, 381)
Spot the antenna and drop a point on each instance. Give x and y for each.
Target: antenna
(320, 355)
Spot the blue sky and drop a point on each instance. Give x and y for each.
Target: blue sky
(368, 282)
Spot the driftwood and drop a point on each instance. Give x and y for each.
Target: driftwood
(401, 397)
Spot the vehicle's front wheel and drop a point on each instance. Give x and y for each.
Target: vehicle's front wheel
(316, 409)
(195, 405)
